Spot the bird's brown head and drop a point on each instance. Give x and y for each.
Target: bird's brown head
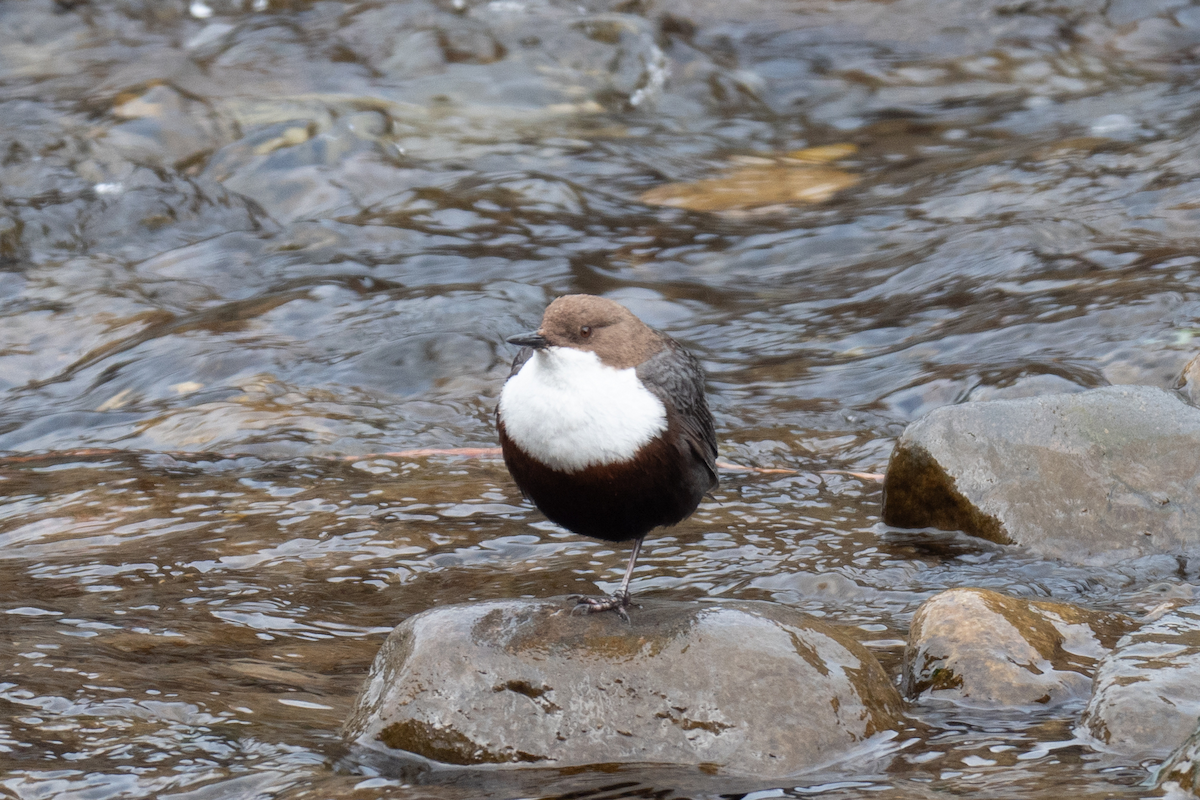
(603, 326)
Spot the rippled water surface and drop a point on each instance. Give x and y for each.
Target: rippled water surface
(256, 260)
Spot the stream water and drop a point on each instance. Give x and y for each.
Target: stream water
(257, 263)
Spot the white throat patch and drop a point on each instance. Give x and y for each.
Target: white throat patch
(570, 411)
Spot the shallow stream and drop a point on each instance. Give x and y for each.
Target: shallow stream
(257, 263)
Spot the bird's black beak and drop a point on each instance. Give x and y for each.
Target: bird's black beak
(532, 339)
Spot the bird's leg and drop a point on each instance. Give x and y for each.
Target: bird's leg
(619, 600)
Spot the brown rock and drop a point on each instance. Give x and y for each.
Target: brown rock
(753, 187)
(1190, 380)
(980, 648)
(1180, 773)
(740, 688)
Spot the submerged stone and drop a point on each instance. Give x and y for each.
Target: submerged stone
(1179, 775)
(740, 688)
(981, 648)
(1146, 698)
(1092, 477)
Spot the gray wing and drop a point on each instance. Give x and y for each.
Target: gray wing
(676, 377)
(523, 355)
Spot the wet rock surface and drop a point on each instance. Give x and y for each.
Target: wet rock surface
(1098, 476)
(1146, 699)
(743, 688)
(1179, 775)
(1189, 381)
(984, 649)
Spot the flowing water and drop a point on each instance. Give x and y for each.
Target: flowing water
(257, 263)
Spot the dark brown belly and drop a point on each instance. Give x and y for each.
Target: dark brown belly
(661, 485)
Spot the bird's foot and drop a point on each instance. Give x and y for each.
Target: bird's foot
(609, 602)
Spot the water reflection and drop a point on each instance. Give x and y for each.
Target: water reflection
(240, 241)
(177, 621)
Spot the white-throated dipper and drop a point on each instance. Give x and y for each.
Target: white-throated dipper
(604, 426)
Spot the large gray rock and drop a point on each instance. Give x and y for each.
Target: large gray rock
(743, 688)
(1093, 477)
(980, 648)
(1146, 698)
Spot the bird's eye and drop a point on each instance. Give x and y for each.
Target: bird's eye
(585, 331)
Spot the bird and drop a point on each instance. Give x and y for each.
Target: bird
(604, 425)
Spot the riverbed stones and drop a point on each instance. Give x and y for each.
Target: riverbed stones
(1146, 699)
(1094, 477)
(739, 688)
(980, 648)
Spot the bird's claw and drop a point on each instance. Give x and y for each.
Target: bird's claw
(609, 602)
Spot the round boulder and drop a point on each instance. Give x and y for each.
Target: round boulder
(980, 648)
(1146, 698)
(740, 688)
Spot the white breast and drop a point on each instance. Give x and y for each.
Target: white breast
(570, 411)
